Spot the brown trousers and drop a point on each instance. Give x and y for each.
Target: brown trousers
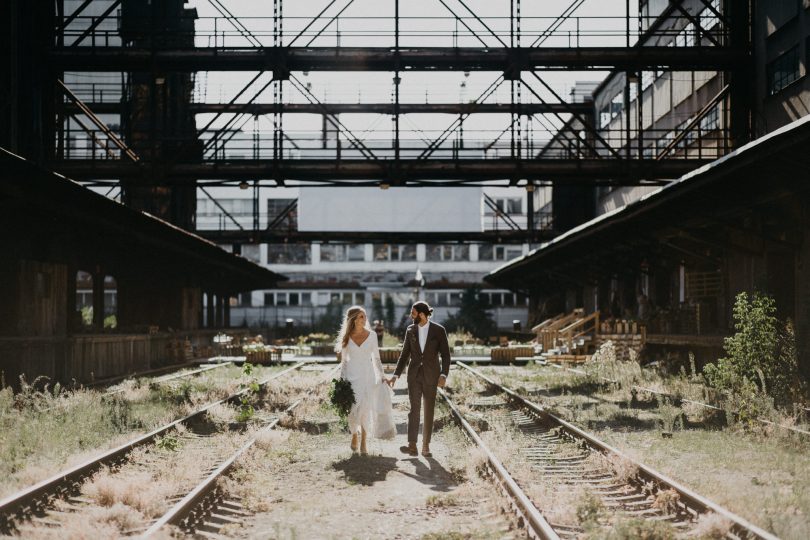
(418, 391)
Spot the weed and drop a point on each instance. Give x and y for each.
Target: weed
(589, 510)
(667, 501)
(168, 443)
(441, 501)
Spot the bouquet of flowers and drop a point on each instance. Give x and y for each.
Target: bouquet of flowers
(341, 397)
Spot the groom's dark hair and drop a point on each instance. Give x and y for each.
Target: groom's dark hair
(423, 307)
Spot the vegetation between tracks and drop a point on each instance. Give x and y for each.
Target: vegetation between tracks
(47, 428)
(756, 470)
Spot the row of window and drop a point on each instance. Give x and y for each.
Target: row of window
(348, 298)
(689, 36)
(302, 253)
(785, 70)
(709, 123)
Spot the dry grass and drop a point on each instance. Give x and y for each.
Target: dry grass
(624, 469)
(711, 526)
(135, 490)
(47, 429)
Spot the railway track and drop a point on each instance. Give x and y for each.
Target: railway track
(37, 500)
(564, 456)
(206, 508)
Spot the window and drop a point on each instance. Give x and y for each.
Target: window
(447, 252)
(269, 299)
(488, 252)
(512, 252)
(389, 252)
(710, 122)
(252, 252)
(454, 299)
(306, 299)
(511, 205)
(343, 252)
(277, 207)
(281, 299)
(356, 252)
(293, 298)
(783, 71)
(289, 254)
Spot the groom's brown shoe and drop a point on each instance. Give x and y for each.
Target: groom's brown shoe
(409, 449)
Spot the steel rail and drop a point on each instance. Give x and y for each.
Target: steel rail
(534, 521)
(186, 506)
(695, 501)
(16, 504)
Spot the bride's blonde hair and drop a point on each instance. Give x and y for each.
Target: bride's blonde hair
(348, 326)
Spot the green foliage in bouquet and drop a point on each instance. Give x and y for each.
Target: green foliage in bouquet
(341, 397)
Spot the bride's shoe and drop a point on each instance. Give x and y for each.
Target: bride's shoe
(354, 442)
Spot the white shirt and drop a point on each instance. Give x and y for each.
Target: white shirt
(423, 333)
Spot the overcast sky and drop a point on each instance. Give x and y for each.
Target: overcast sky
(424, 23)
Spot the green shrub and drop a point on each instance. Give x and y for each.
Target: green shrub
(760, 356)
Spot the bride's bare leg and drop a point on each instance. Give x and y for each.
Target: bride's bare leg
(363, 449)
(354, 442)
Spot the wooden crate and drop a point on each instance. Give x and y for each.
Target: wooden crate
(505, 355)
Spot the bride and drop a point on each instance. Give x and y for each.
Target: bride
(360, 364)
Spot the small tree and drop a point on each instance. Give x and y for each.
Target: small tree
(376, 309)
(761, 355)
(389, 312)
(472, 316)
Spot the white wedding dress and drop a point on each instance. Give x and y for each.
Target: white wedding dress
(372, 410)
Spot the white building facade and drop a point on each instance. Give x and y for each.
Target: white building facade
(325, 278)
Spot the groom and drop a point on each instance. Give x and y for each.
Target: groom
(424, 342)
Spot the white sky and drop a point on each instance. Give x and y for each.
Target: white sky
(424, 23)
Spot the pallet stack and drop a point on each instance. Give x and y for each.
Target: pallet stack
(505, 355)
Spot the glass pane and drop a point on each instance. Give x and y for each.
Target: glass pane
(356, 252)
(381, 252)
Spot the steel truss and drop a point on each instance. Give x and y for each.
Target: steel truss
(598, 162)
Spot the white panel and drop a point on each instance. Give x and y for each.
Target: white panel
(394, 209)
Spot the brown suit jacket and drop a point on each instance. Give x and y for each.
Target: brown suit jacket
(435, 346)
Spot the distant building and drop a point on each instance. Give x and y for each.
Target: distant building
(380, 276)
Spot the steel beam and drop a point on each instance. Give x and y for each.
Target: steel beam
(463, 171)
(498, 59)
(383, 237)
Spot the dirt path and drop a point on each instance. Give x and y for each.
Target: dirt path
(310, 485)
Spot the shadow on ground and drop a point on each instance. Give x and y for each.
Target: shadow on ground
(431, 474)
(365, 470)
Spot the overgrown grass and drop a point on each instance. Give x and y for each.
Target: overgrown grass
(758, 471)
(45, 430)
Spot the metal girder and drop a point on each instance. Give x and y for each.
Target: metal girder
(384, 237)
(466, 171)
(499, 59)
